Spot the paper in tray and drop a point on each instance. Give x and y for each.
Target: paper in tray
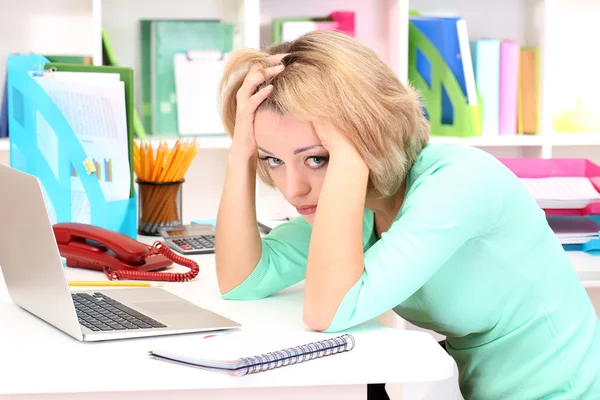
(559, 167)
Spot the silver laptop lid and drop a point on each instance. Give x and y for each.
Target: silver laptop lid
(29, 255)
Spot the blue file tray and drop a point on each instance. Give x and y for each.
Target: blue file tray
(591, 247)
(25, 99)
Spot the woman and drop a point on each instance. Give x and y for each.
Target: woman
(444, 235)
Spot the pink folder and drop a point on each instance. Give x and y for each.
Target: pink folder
(345, 21)
(509, 87)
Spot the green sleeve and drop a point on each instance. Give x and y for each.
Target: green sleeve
(444, 209)
(282, 262)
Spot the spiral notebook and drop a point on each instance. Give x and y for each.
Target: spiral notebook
(250, 364)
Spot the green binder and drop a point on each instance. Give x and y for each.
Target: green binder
(160, 41)
(109, 58)
(467, 118)
(126, 76)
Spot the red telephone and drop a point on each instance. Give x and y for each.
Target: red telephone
(118, 255)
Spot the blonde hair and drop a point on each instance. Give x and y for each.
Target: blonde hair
(332, 75)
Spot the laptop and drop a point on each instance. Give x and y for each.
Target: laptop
(34, 276)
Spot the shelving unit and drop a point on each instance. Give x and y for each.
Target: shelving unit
(73, 27)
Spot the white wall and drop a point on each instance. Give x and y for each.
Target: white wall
(48, 27)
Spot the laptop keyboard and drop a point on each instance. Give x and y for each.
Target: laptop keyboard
(98, 312)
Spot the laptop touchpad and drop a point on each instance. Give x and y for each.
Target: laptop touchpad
(166, 307)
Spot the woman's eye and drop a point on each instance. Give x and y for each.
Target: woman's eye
(274, 162)
(316, 162)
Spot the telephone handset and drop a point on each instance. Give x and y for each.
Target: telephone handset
(118, 255)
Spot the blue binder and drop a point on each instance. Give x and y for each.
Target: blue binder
(4, 111)
(25, 99)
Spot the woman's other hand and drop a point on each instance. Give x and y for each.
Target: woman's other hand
(248, 100)
(336, 142)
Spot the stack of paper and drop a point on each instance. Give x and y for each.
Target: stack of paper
(574, 230)
(94, 106)
(562, 192)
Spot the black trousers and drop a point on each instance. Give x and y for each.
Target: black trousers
(376, 391)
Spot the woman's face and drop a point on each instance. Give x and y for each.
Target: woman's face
(295, 158)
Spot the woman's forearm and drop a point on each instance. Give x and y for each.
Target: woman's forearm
(335, 260)
(238, 245)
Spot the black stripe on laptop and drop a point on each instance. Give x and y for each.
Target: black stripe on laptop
(98, 312)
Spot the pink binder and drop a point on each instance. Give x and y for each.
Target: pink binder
(554, 167)
(345, 21)
(509, 86)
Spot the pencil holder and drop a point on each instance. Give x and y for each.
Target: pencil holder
(159, 206)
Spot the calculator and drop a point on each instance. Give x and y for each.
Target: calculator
(190, 239)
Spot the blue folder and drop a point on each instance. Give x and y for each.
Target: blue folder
(4, 111)
(25, 99)
(486, 64)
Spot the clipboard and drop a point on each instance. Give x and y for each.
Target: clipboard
(197, 75)
(27, 100)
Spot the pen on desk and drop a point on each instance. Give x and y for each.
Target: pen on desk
(115, 283)
(216, 334)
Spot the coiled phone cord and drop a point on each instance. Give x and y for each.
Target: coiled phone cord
(159, 248)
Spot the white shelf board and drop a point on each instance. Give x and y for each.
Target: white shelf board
(206, 142)
(554, 139)
(574, 139)
(495, 141)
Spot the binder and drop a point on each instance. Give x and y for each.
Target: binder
(440, 68)
(247, 363)
(109, 58)
(486, 63)
(509, 86)
(4, 110)
(527, 114)
(161, 40)
(27, 99)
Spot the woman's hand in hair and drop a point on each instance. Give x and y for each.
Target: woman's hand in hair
(336, 142)
(248, 100)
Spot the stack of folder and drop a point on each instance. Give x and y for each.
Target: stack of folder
(81, 119)
(568, 191)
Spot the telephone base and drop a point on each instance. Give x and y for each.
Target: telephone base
(152, 263)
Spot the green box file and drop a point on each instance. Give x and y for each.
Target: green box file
(466, 118)
(160, 41)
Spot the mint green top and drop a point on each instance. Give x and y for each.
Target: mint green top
(470, 256)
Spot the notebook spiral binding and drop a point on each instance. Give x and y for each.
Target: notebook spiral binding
(298, 354)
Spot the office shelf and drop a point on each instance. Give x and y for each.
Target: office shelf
(206, 142)
(553, 139)
(73, 27)
(493, 141)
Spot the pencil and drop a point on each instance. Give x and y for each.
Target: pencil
(116, 283)
(166, 167)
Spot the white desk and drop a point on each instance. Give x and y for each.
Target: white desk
(42, 362)
(587, 267)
